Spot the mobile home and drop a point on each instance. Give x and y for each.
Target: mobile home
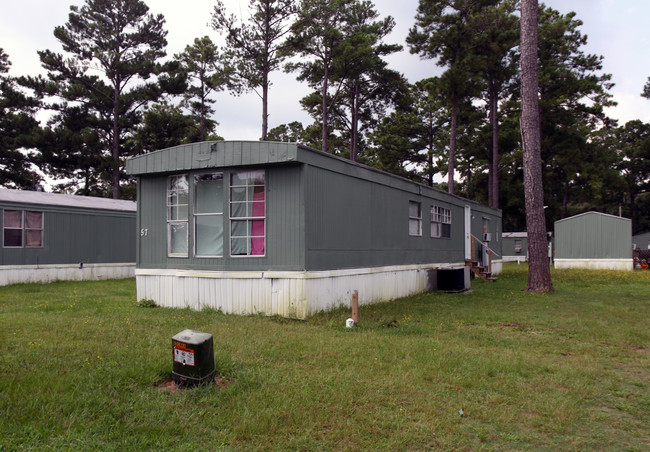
(515, 246)
(281, 228)
(48, 236)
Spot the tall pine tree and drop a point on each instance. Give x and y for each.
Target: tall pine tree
(17, 123)
(539, 272)
(256, 48)
(207, 73)
(112, 51)
(446, 31)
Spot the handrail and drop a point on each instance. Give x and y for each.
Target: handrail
(485, 245)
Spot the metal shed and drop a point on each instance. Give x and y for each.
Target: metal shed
(48, 236)
(281, 228)
(594, 240)
(641, 241)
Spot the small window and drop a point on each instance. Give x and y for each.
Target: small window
(33, 229)
(415, 218)
(208, 215)
(247, 213)
(177, 214)
(517, 246)
(22, 229)
(13, 228)
(440, 222)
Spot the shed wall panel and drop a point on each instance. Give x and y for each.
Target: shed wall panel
(593, 236)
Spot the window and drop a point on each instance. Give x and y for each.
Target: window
(517, 246)
(440, 222)
(208, 215)
(177, 204)
(415, 218)
(22, 229)
(247, 213)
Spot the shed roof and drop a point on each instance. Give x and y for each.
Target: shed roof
(593, 213)
(56, 199)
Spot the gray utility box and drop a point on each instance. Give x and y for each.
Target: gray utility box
(193, 356)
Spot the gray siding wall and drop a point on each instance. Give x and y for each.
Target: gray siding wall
(72, 236)
(352, 222)
(593, 236)
(508, 246)
(284, 225)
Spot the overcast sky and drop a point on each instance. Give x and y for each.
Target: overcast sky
(617, 30)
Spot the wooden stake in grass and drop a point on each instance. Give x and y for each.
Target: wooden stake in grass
(355, 306)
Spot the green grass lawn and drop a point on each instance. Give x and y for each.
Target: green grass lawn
(81, 366)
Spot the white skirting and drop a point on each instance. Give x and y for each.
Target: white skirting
(294, 294)
(518, 259)
(596, 264)
(13, 274)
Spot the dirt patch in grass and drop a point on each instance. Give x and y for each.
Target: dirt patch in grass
(168, 384)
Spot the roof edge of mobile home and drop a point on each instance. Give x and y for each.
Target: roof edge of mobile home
(57, 199)
(221, 154)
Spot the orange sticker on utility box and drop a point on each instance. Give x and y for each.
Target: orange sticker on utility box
(183, 355)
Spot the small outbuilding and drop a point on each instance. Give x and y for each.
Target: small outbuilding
(48, 237)
(641, 241)
(284, 229)
(514, 246)
(594, 240)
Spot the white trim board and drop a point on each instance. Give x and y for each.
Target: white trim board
(596, 264)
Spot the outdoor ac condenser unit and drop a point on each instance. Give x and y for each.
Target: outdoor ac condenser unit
(453, 279)
(193, 356)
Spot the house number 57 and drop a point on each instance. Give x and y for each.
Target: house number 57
(144, 232)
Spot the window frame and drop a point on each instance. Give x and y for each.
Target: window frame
(172, 222)
(23, 228)
(440, 216)
(415, 219)
(41, 229)
(248, 219)
(19, 228)
(196, 213)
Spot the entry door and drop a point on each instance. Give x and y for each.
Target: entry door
(468, 233)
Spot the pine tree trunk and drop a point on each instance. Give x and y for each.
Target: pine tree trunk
(354, 123)
(115, 151)
(202, 116)
(539, 273)
(494, 167)
(325, 131)
(265, 107)
(565, 200)
(452, 145)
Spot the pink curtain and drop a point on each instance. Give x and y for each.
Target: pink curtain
(257, 227)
